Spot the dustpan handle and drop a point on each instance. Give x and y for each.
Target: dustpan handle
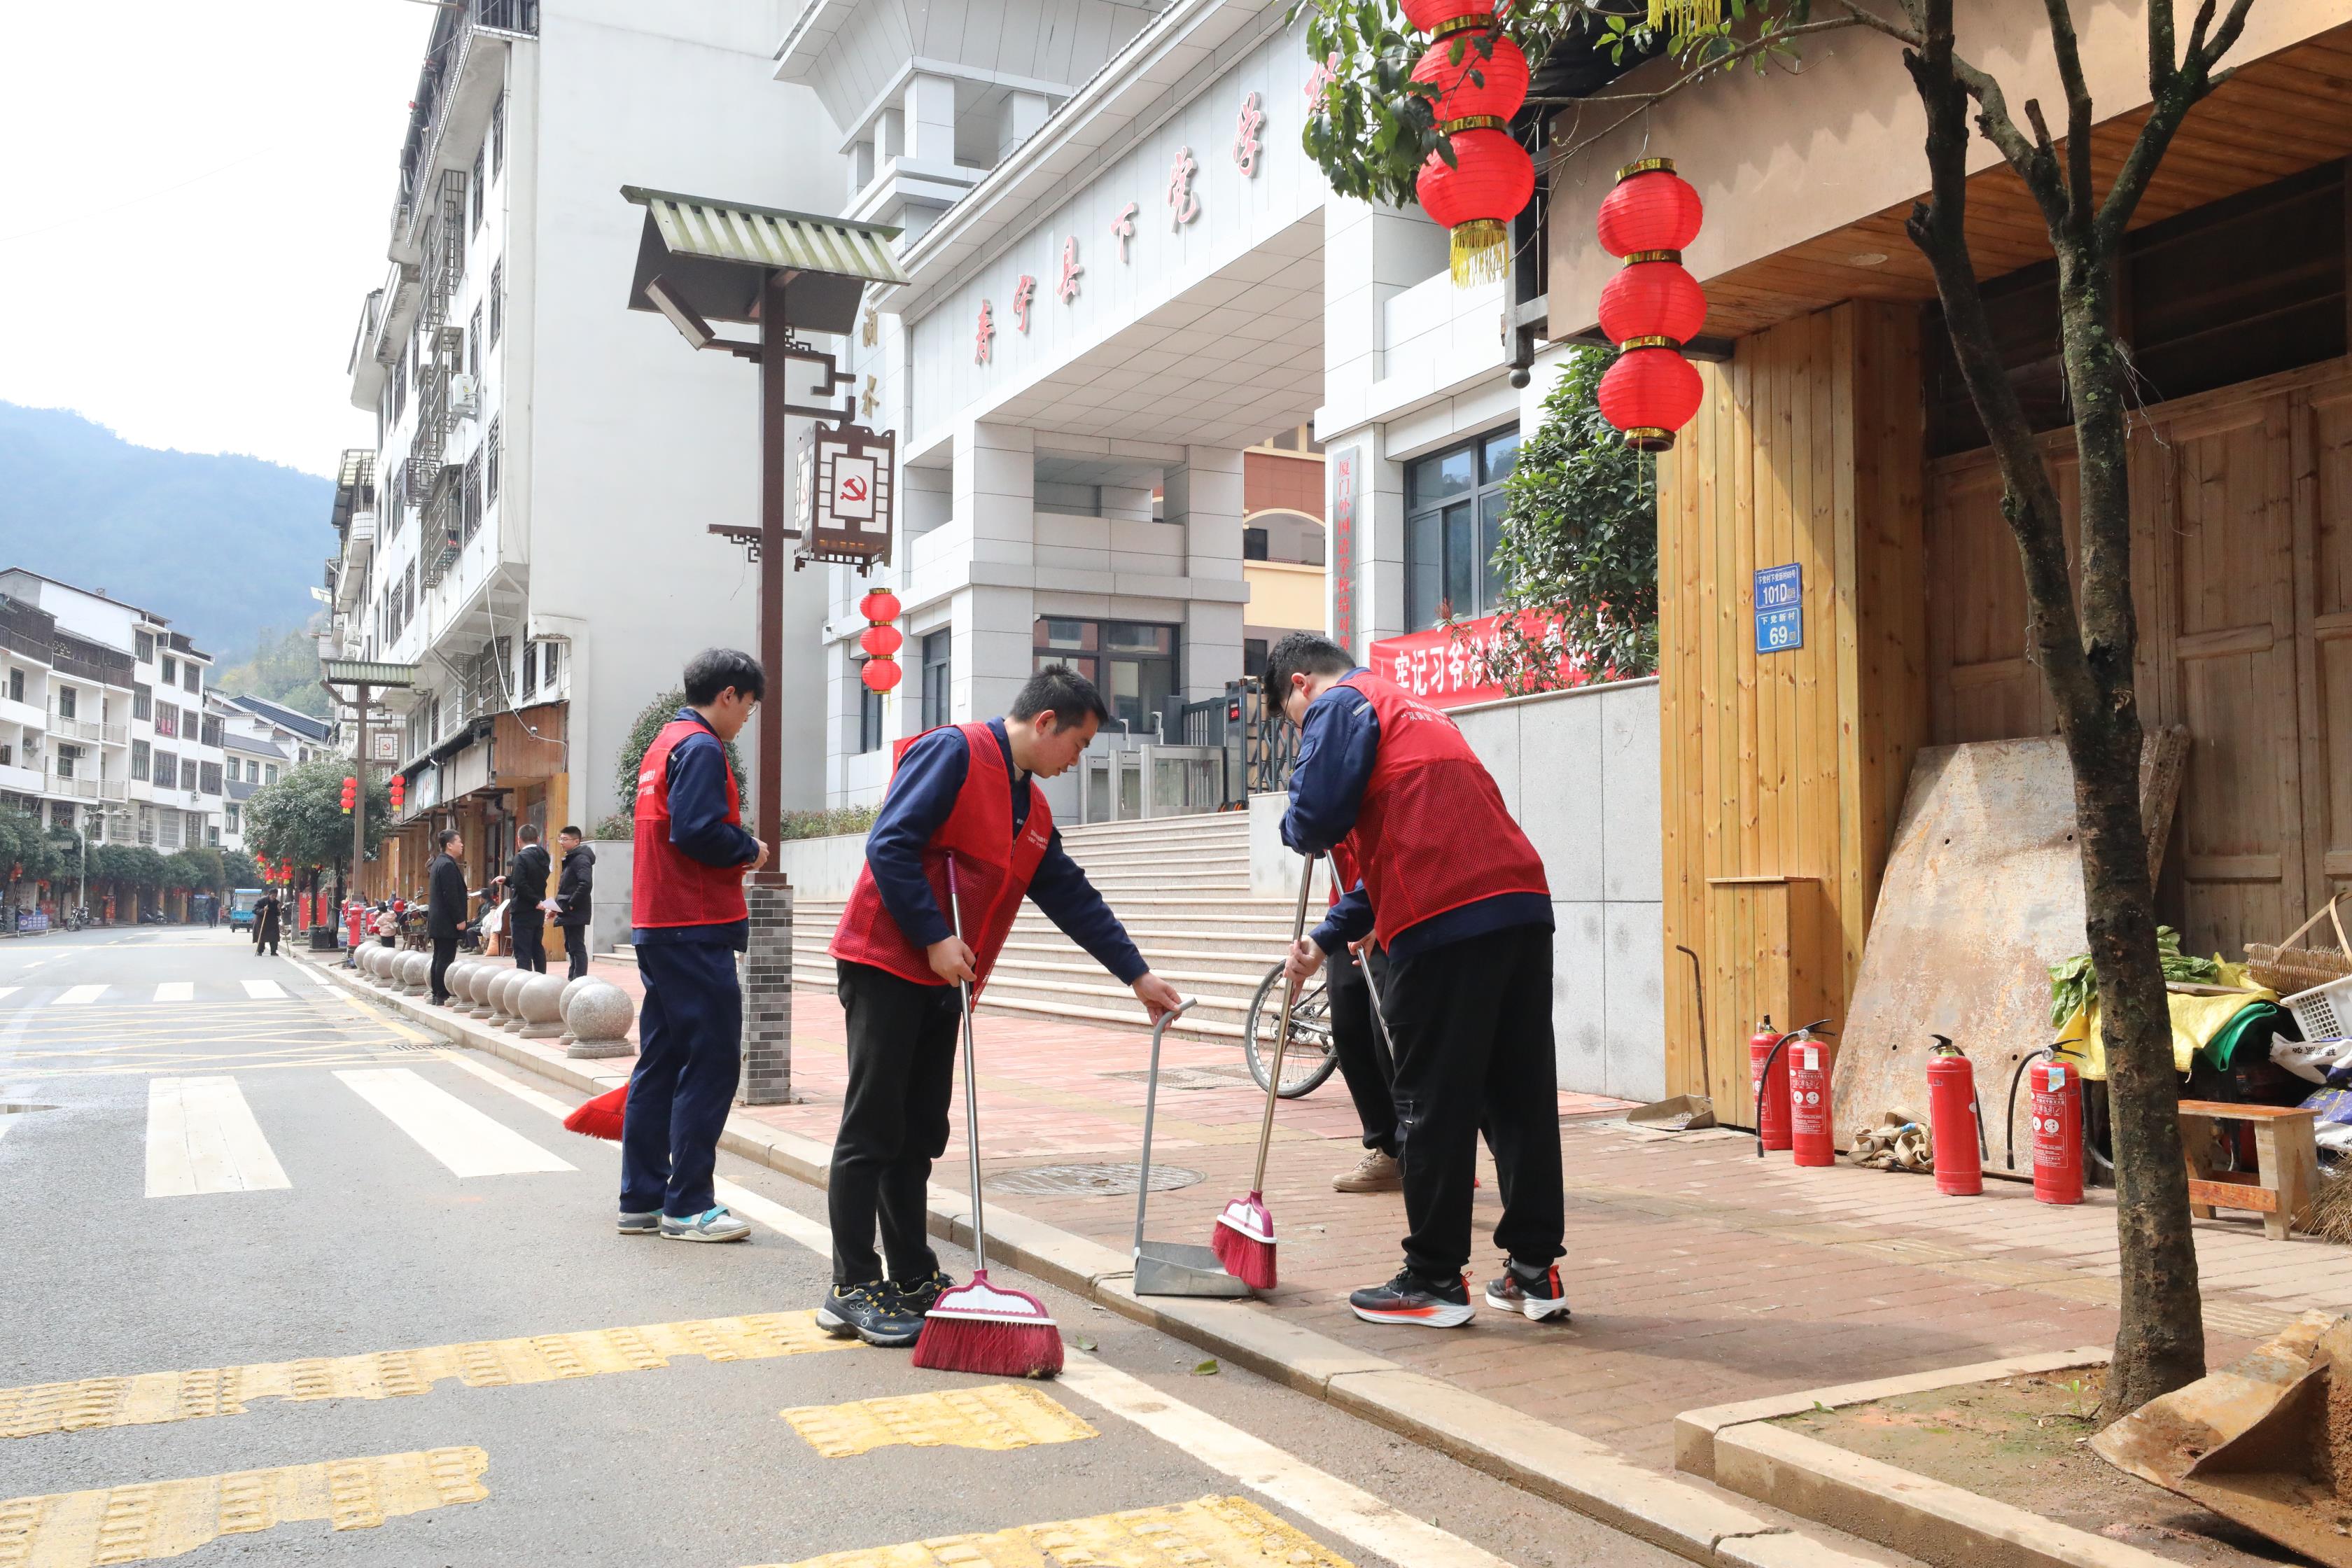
(971, 1088)
(1151, 1106)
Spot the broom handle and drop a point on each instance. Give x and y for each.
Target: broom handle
(971, 1088)
(1282, 1034)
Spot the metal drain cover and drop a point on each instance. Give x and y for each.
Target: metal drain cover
(1090, 1181)
(1221, 1077)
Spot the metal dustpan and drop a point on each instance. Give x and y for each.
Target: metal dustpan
(1682, 1113)
(1172, 1268)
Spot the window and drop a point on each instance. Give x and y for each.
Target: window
(1131, 662)
(269, 774)
(498, 134)
(547, 664)
(212, 733)
(208, 777)
(490, 465)
(167, 720)
(15, 686)
(869, 719)
(939, 672)
(211, 836)
(231, 810)
(146, 641)
(252, 771)
(479, 159)
(1253, 659)
(192, 677)
(531, 667)
(498, 297)
(61, 814)
(141, 759)
(7, 755)
(143, 702)
(167, 770)
(188, 774)
(171, 671)
(66, 699)
(469, 511)
(1254, 544)
(1453, 520)
(67, 757)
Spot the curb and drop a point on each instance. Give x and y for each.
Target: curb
(1551, 1462)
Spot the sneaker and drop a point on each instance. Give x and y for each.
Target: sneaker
(1539, 1293)
(1377, 1172)
(920, 1295)
(646, 1224)
(1410, 1299)
(872, 1312)
(710, 1224)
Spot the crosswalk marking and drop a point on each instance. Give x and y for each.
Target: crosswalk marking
(1215, 1533)
(8, 991)
(202, 1138)
(462, 1138)
(79, 995)
(176, 991)
(994, 1417)
(264, 990)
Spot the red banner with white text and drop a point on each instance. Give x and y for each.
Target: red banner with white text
(1447, 667)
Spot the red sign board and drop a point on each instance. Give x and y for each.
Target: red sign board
(1446, 667)
(1343, 547)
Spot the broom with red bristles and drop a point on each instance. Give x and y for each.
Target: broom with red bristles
(1243, 1236)
(979, 1327)
(600, 1117)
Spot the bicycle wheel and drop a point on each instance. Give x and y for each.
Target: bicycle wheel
(1310, 1059)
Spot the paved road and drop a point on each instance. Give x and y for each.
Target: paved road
(238, 1190)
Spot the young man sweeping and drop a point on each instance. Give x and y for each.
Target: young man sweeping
(962, 790)
(1456, 894)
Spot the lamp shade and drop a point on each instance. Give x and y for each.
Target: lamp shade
(1650, 393)
(881, 674)
(1653, 300)
(881, 641)
(1477, 83)
(1428, 16)
(1653, 208)
(881, 605)
(1476, 197)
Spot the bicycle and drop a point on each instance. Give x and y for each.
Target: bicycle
(1311, 1056)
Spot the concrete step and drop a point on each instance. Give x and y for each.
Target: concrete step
(1170, 858)
(1203, 823)
(1214, 1019)
(1054, 972)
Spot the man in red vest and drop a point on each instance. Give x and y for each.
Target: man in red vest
(1456, 894)
(689, 921)
(961, 790)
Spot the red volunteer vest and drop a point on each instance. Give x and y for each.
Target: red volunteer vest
(1431, 834)
(671, 887)
(993, 872)
(1345, 873)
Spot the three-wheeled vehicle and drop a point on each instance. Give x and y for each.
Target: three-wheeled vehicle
(241, 902)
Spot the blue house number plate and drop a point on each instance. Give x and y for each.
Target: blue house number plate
(1779, 608)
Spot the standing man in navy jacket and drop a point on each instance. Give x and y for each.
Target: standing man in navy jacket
(689, 921)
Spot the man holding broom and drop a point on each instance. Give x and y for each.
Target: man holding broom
(1456, 895)
(960, 812)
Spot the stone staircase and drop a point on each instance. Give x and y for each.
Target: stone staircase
(1180, 885)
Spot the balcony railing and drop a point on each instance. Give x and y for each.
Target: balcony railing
(86, 729)
(83, 789)
(448, 51)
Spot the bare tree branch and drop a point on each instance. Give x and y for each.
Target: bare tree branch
(2184, 89)
(2162, 56)
(2069, 53)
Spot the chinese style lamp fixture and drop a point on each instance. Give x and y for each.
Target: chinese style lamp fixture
(1653, 306)
(1491, 178)
(880, 640)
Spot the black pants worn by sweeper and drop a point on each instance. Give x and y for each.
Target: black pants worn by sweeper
(1470, 1022)
(894, 1120)
(1364, 1063)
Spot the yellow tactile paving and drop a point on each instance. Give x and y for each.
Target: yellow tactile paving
(1215, 1533)
(995, 1415)
(154, 1398)
(166, 1518)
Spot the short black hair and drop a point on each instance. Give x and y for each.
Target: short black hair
(447, 834)
(528, 833)
(1303, 653)
(714, 670)
(568, 831)
(1058, 689)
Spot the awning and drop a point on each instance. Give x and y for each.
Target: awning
(713, 257)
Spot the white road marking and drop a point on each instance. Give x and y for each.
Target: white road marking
(462, 1138)
(176, 991)
(7, 991)
(202, 1138)
(264, 990)
(812, 1234)
(78, 997)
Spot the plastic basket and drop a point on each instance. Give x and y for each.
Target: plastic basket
(2324, 1012)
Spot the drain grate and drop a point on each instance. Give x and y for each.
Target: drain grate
(1222, 1076)
(1090, 1181)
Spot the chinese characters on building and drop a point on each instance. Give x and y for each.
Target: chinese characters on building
(1246, 142)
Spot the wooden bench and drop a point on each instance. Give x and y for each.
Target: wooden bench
(2286, 1162)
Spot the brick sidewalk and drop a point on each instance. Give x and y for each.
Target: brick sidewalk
(1700, 1274)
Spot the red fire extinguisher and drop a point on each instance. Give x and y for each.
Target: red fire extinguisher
(1809, 1097)
(2057, 1112)
(1767, 1079)
(1954, 1122)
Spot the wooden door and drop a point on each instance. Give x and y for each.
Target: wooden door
(2326, 543)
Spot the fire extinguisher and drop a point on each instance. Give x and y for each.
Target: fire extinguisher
(1955, 1121)
(1767, 1079)
(1809, 1097)
(2056, 1108)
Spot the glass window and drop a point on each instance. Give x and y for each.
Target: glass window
(1453, 520)
(67, 699)
(270, 774)
(231, 811)
(1442, 476)
(146, 641)
(939, 677)
(869, 718)
(1254, 544)
(171, 671)
(1132, 663)
(1501, 456)
(498, 134)
(15, 686)
(167, 720)
(194, 677)
(142, 759)
(143, 702)
(1253, 659)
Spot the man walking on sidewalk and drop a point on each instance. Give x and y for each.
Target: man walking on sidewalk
(1457, 895)
(574, 891)
(901, 948)
(689, 921)
(526, 896)
(444, 909)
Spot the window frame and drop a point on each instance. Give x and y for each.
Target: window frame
(1482, 505)
(937, 672)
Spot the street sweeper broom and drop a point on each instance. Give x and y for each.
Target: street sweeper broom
(1243, 1236)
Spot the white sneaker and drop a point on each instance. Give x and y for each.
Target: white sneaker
(711, 1224)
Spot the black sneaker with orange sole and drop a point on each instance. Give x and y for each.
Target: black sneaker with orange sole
(1537, 1292)
(1410, 1299)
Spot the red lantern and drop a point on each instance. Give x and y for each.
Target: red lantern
(1491, 180)
(881, 641)
(1428, 16)
(1476, 85)
(880, 604)
(1653, 300)
(1653, 208)
(1649, 394)
(881, 674)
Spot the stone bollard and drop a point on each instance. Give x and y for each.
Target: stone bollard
(539, 999)
(600, 1014)
(478, 988)
(571, 988)
(365, 961)
(380, 967)
(415, 973)
(454, 979)
(502, 989)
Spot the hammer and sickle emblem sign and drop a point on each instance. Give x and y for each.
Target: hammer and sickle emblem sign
(853, 489)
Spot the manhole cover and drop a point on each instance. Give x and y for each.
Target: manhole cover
(1223, 1077)
(1090, 1181)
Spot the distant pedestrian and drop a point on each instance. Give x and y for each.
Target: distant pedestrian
(526, 897)
(445, 911)
(688, 921)
(574, 891)
(212, 911)
(265, 926)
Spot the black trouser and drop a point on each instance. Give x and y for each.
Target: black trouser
(575, 950)
(1364, 1062)
(1471, 1026)
(894, 1120)
(529, 942)
(444, 948)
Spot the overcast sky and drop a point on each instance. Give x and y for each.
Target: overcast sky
(198, 198)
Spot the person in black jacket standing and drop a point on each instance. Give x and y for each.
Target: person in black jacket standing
(526, 882)
(445, 907)
(574, 892)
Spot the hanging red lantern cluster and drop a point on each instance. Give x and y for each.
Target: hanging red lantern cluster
(350, 793)
(1653, 306)
(880, 641)
(1474, 96)
(399, 792)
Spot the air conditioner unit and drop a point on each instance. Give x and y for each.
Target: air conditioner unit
(464, 395)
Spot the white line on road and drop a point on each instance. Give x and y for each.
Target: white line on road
(176, 991)
(7, 991)
(78, 997)
(264, 990)
(202, 1138)
(462, 1138)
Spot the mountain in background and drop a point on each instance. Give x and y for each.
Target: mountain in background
(225, 548)
(284, 668)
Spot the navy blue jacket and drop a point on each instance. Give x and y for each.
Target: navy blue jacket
(922, 796)
(698, 827)
(1337, 748)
